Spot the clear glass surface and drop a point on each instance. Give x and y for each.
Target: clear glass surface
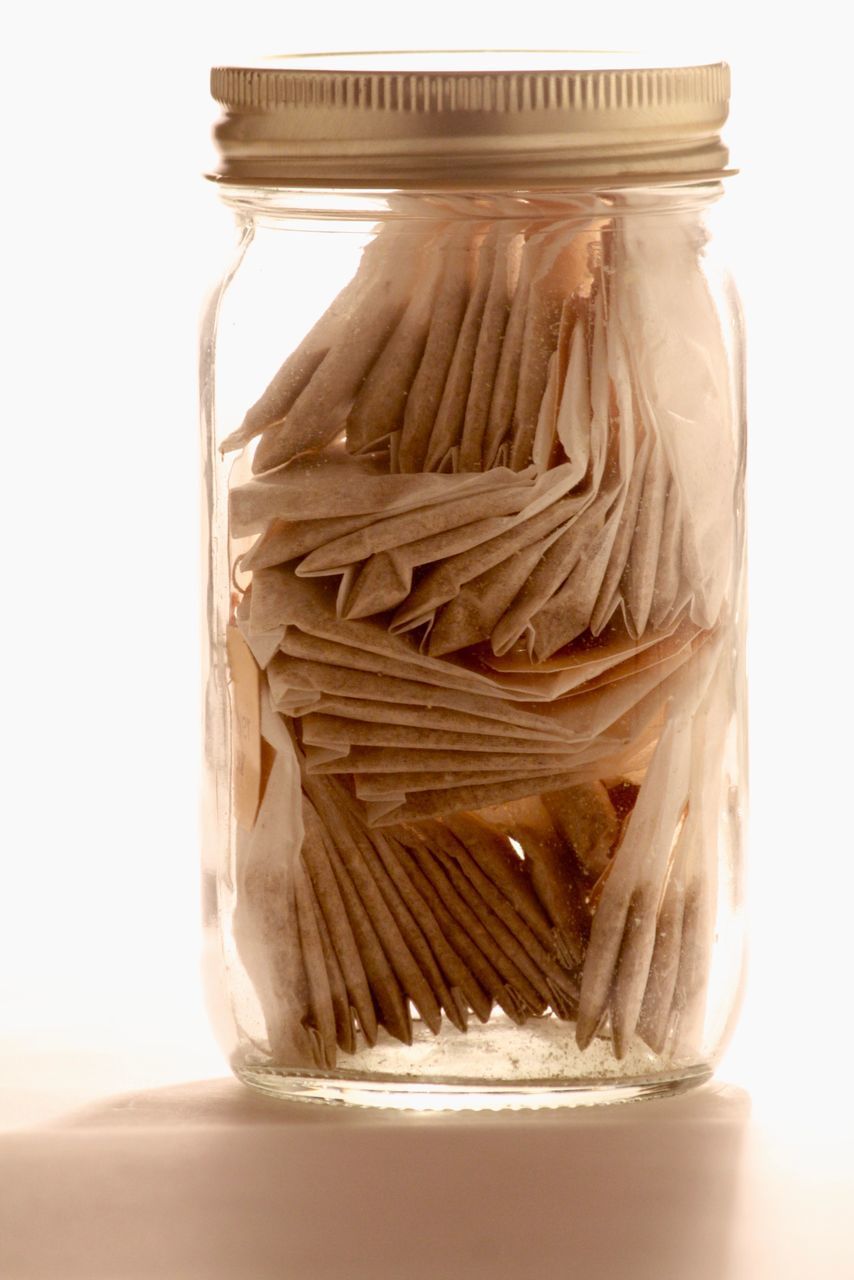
(475, 646)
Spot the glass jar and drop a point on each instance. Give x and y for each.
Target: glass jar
(474, 455)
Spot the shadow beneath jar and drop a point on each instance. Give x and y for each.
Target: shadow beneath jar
(211, 1180)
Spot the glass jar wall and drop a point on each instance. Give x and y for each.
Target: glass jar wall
(475, 740)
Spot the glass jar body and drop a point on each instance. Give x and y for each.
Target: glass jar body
(475, 645)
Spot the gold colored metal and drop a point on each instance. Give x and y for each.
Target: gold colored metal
(499, 121)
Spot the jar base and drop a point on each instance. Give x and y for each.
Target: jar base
(468, 1095)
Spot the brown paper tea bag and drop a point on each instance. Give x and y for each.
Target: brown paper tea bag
(510, 958)
(351, 714)
(639, 576)
(698, 922)
(426, 392)
(319, 411)
(551, 507)
(297, 370)
(623, 934)
(465, 990)
(335, 736)
(379, 406)
(499, 423)
(329, 330)
(552, 571)
(246, 728)
(345, 1030)
(654, 1017)
(385, 580)
(406, 922)
(630, 896)
(668, 571)
(489, 342)
(365, 760)
(284, 540)
(474, 612)
(486, 842)
(554, 875)
(680, 369)
(486, 961)
(500, 499)
(591, 663)
(319, 990)
(392, 1010)
(448, 425)
(358, 856)
(453, 800)
(609, 597)
(554, 982)
(407, 783)
(265, 925)
(567, 614)
(333, 481)
(316, 855)
(561, 270)
(586, 819)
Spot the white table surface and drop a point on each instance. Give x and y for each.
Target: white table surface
(201, 1178)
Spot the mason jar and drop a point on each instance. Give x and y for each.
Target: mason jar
(474, 457)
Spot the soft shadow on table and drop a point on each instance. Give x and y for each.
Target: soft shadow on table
(209, 1180)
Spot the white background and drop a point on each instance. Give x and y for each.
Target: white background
(110, 240)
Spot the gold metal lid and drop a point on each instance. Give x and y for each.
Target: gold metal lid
(468, 120)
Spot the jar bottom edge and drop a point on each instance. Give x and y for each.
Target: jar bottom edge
(488, 1095)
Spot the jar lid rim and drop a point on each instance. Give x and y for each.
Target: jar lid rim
(455, 118)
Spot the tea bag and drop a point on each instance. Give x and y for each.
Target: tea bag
(320, 410)
(475, 796)
(299, 367)
(347, 944)
(448, 424)
(586, 819)
(416, 526)
(609, 596)
(473, 613)
(556, 604)
(680, 371)
(333, 481)
(379, 405)
(553, 872)
(362, 760)
(499, 418)
(284, 540)
(465, 990)
(611, 657)
(344, 1014)
(319, 989)
(357, 857)
(425, 395)
(494, 972)
(623, 931)
(550, 507)
(497, 941)
(640, 574)
(555, 983)
(489, 345)
(698, 923)
(330, 738)
(654, 1016)
(355, 719)
(385, 580)
(562, 269)
(401, 909)
(265, 919)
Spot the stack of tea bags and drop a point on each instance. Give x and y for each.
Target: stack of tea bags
(486, 598)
